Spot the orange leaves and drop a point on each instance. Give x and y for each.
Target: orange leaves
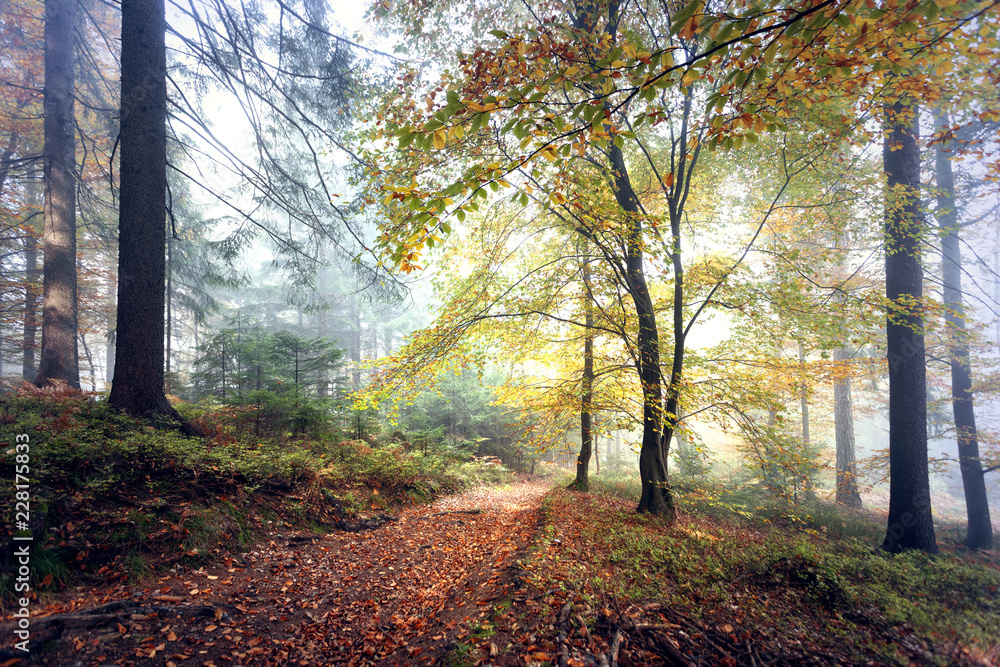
(685, 22)
(689, 29)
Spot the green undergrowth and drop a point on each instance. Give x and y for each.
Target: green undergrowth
(110, 496)
(814, 564)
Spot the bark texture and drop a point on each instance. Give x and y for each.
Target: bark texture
(138, 382)
(910, 524)
(59, 359)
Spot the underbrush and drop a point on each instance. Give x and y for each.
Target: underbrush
(740, 549)
(112, 496)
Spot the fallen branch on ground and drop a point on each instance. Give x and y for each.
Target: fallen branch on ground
(475, 511)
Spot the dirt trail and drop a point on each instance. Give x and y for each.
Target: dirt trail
(400, 594)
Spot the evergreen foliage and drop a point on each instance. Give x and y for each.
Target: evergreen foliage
(460, 416)
(274, 382)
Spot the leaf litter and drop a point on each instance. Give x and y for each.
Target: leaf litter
(401, 594)
(488, 577)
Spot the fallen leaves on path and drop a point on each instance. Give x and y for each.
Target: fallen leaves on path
(397, 595)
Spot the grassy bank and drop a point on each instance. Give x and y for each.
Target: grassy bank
(741, 580)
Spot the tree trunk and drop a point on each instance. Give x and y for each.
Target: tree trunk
(355, 314)
(28, 370)
(847, 484)
(90, 362)
(656, 497)
(322, 326)
(680, 438)
(980, 531)
(807, 482)
(682, 163)
(910, 523)
(8, 151)
(582, 481)
(138, 385)
(169, 315)
(109, 370)
(804, 395)
(597, 450)
(996, 281)
(59, 361)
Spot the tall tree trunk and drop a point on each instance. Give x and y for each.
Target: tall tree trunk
(807, 482)
(847, 484)
(980, 531)
(168, 325)
(996, 281)
(597, 446)
(322, 326)
(680, 438)
(59, 360)
(804, 394)
(111, 329)
(355, 314)
(8, 152)
(138, 385)
(682, 163)
(656, 497)
(910, 523)
(90, 362)
(28, 370)
(582, 481)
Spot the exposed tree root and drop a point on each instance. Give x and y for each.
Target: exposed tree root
(114, 615)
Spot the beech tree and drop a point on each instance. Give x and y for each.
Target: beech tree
(846, 472)
(911, 524)
(522, 287)
(557, 88)
(582, 480)
(980, 528)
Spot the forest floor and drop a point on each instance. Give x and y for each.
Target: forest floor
(513, 575)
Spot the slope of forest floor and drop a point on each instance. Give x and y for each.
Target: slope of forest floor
(113, 497)
(606, 584)
(529, 575)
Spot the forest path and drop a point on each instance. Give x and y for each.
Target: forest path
(396, 595)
